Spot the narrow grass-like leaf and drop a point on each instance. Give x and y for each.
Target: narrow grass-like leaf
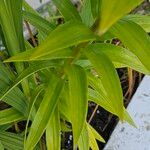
(10, 115)
(44, 112)
(142, 20)
(39, 22)
(113, 10)
(92, 140)
(96, 134)
(5, 127)
(26, 73)
(68, 34)
(53, 131)
(86, 13)
(83, 142)
(97, 95)
(67, 9)
(120, 56)
(64, 105)
(15, 98)
(109, 79)
(11, 141)
(77, 99)
(32, 110)
(26, 56)
(11, 24)
(135, 38)
(1, 146)
(28, 8)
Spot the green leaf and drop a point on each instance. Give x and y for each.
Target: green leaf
(11, 141)
(28, 8)
(95, 7)
(95, 133)
(135, 38)
(15, 98)
(10, 115)
(97, 95)
(5, 127)
(113, 10)
(109, 78)
(64, 106)
(39, 22)
(68, 34)
(128, 118)
(77, 99)
(67, 9)
(86, 13)
(26, 73)
(11, 24)
(120, 56)
(53, 132)
(32, 110)
(92, 140)
(45, 112)
(1, 146)
(25, 56)
(101, 99)
(83, 142)
(142, 20)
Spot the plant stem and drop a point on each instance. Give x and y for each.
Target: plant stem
(93, 114)
(30, 33)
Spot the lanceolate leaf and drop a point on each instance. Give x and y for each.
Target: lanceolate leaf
(67, 9)
(97, 95)
(11, 23)
(95, 133)
(26, 73)
(68, 34)
(5, 127)
(64, 106)
(11, 141)
(32, 110)
(142, 20)
(26, 56)
(10, 115)
(92, 140)
(39, 22)
(15, 98)
(86, 13)
(77, 99)
(109, 79)
(93, 136)
(95, 7)
(45, 112)
(53, 131)
(83, 142)
(1, 146)
(135, 38)
(113, 10)
(120, 56)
